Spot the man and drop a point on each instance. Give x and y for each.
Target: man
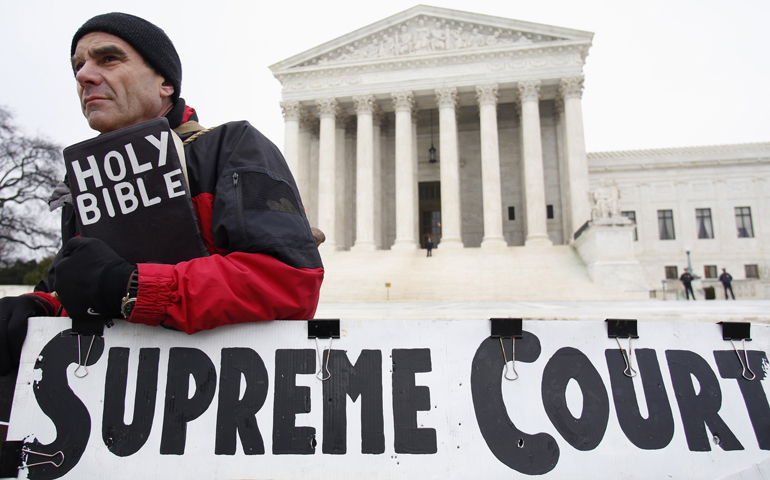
(726, 280)
(429, 245)
(264, 262)
(687, 279)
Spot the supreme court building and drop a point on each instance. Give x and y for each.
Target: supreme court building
(468, 129)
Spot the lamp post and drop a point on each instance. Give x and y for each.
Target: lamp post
(432, 149)
(689, 263)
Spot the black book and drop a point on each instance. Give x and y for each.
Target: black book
(129, 190)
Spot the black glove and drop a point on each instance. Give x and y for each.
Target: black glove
(91, 279)
(14, 312)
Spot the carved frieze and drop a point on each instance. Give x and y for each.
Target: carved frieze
(425, 35)
(514, 62)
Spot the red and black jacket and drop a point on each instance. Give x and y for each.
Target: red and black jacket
(263, 263)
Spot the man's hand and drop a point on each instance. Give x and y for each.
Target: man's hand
(14, 313)
(318, 236)
(91, 279)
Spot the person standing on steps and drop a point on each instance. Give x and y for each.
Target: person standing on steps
(687, 279)
(726, 280)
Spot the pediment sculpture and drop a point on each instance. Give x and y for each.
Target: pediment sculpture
(426, 35)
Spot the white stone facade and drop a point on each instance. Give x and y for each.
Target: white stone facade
(714, 180)
(499, 100)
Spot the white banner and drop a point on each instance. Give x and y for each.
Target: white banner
(404, 399)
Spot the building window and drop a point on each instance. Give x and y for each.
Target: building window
(511, 213)
(743, 222)
(430, 191)
(666, 224)
(752, 271)
(672, 273)
(631, 215)
(710, 271)
(549, 211)
(703, 222)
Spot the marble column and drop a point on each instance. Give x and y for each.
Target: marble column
(342, 202)
(451, 220)
(310, 138)
(364, 105)
(302, 177)
(292, 114)
(378, 177)
(415, 172)
(327, 171)
(532, 162)
(491, 189)
(564, 187)
(403, 102)
(571, 91)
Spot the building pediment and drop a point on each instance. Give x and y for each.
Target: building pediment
(430, 32)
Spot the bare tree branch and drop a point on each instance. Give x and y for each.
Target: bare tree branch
(30, 167)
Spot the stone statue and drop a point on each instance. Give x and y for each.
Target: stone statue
(523, 39)
(387, 47)
(438, 38)
(494, 38)
(476, 39)
(422, 38)
(457, 39)
(605, 202)
(404, 41)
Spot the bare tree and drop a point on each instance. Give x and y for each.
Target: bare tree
(30, 167)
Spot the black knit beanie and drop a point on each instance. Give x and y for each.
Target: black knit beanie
(149, 40)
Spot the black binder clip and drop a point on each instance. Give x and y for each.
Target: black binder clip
(87, 327)
(739, 331)
(507, 328)
(55, 459)
(617, 328)
(80, 329)
(323, 329)
(12, 458)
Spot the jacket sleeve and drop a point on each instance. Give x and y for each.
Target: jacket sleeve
(237, 288)
(264, 263)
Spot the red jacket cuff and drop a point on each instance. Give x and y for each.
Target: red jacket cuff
(156, 293)
(55, 303)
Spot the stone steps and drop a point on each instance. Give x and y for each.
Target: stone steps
(554, 273)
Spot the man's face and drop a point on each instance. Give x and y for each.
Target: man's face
(115, 85)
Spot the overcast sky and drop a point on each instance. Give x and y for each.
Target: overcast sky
(660, 73)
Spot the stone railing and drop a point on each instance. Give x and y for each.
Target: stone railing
(748, 289)
(14, 290)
